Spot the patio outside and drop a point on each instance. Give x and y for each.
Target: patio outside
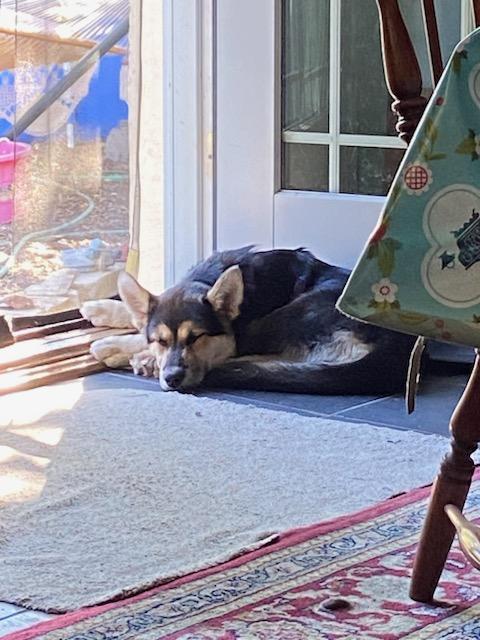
(66, 235)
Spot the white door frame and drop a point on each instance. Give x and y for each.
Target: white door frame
(245, 117)
(250, 205)
(189, 44)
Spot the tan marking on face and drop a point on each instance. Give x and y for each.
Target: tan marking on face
(184, 330)
(188, 329)
(162, 332)
(198, 358)
(156, 349)
(209, 351)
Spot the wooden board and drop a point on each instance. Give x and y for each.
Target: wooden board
(6, 337)
(31, 377)
(50, 329)
(30, 353)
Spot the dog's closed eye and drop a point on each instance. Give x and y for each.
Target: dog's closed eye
(193, 337)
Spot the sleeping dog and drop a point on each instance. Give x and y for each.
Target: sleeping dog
(249, 319)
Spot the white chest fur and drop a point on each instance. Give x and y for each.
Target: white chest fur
(343, 348)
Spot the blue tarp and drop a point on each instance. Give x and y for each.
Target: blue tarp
(98, 112)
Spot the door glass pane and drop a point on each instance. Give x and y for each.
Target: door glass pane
(305, 65)
(448, 20)
(368, 170)
(64, 208)
(365, 101)
(305, 167)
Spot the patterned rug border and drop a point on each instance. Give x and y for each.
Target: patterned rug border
(289, 538)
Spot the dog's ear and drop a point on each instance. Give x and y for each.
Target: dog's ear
(136, 299)
(226, 295)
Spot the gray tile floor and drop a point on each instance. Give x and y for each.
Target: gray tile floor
(14, 618)
(440, 390)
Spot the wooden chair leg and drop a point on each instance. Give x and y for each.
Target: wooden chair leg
(404, 81)
(402, 72)
(451, 487)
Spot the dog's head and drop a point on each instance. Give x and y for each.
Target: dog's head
(188, 327)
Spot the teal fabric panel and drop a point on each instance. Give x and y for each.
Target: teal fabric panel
(420, 270)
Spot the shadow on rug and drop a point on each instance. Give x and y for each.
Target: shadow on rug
(279, 593)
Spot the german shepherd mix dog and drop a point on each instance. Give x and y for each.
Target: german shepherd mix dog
(246, 319)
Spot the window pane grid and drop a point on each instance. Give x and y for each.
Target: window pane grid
(360, 127)
(335, 50)
(343, 139)
(305, 65)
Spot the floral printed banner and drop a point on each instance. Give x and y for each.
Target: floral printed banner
(420, 270)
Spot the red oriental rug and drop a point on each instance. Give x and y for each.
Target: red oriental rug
(278, 593)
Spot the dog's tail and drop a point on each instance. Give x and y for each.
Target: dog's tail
(370, 375)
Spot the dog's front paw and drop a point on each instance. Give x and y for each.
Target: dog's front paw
(107, 348)
(117, 361)
(144, 364)
(106, 313)
(118, 349)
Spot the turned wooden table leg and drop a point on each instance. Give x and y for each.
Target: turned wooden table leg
(402, 71)
(451, 487)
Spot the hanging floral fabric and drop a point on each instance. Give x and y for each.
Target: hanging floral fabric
(420, 270)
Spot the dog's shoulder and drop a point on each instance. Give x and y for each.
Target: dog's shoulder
(275, 278)
(209, 270)
(272, 278)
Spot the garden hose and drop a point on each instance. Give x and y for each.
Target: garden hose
(36, 235)
(54, 232)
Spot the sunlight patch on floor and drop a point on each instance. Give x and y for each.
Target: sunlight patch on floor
(26, 407)
(45, 435)
(23, 475)
(18, 488)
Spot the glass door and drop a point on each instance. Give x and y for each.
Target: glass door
(306, 142)
(338, 130)
(64, 182)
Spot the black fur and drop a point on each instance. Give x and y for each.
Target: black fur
(289, 305)
(287, 316)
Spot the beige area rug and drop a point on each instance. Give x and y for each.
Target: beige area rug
(109, 492)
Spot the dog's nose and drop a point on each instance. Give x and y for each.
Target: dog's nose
(174, 376)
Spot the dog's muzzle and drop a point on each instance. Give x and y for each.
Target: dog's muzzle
(172, 378)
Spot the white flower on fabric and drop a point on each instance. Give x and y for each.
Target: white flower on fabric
(384, 291)
(417, 178)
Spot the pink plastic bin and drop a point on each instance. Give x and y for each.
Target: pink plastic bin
(10, 154)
